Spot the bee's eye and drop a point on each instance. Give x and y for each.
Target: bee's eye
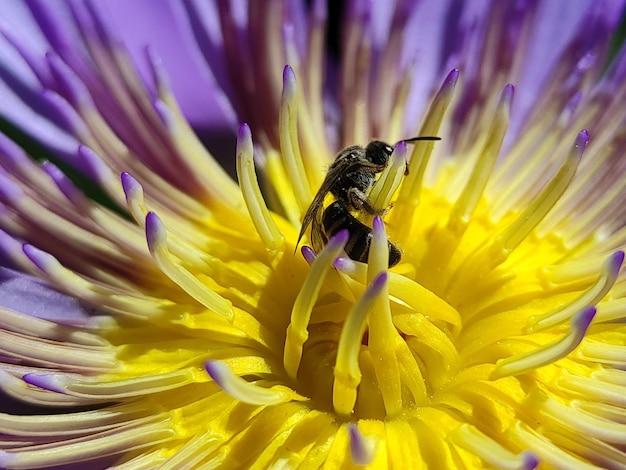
(378, 152)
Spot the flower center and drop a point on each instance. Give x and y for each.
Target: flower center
(473, 300)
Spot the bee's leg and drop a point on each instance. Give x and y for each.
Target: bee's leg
(359, 200)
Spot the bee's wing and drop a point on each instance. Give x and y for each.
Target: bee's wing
(315, 207)
(349, 160)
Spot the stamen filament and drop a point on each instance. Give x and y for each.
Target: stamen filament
(280, 194)
(134, 197)
(537, 209)
(74, 284)
(297, 332)
(583, 422)
(347, 371)
(195, 157)
(87, 448)
(47, 330)
(491, 452)
(594, 388)
(390, 179)
(57, 355)
(157, 244)
(265, 226)
(72, 423)
(550, 352)
(289, 146)
(412, 187)
(470, 196)
(242, 390)
(548, 453)
(383, 339)
(138, 386)
(591, 296)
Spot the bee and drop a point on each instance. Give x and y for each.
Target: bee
(349, 179)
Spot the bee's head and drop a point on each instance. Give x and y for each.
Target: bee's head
(378, 152)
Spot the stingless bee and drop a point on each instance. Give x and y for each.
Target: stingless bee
(349, 179)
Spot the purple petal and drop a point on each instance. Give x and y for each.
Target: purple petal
(164, 28)
(29, 295)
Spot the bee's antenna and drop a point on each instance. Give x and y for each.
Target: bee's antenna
(416, 139)
(422, 137)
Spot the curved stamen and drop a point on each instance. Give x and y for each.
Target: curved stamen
(265, 226)
(77, 386)
(583, 422)
(242, 390)
(297, 332)
(491, 452)
(133, 191)
(550, 194)
(412, 186)
(591, 296)
(289, 146)
(347, 371)
(468, 200)
(390, 179)
(550, 352)
(384, 343)
(157, 244)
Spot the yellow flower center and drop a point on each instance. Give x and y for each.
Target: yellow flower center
(484, 344)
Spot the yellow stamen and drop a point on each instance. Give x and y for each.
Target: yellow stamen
(96, 446)
(72, 423)
(289, 146)
(470, 196)
(590, 297)
(244, 391)
(412, 187)
(72, 283)
(537, 209)
(297, 332)
(157, 243)
(56, 355)
(584, 422)
(548, 453)
(390, 179)
(384, 340)
(550, 352)
(194, 153)
(347, 371)
(279, 194)
(265, 226)
(137, 386)
(47, 330)
(492, 452)
(595, 388)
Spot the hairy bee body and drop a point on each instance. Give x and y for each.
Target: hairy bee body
(336, 217)
(349, 179)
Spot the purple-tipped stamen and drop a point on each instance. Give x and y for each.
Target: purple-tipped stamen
(51, 382)
(308, 254)
(582, 139)
(132, 188)
(155, 231)
(582, 320)
(39, 258)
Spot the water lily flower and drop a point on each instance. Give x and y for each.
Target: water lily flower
(174, 321)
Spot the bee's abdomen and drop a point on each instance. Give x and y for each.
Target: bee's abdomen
(337, 217)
